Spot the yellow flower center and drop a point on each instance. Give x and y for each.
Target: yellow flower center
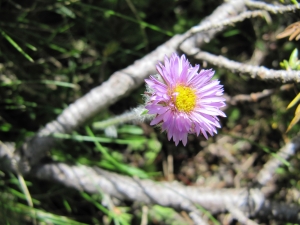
(186, 98)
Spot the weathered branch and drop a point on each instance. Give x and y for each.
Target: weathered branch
(258, 72)
(171, 194)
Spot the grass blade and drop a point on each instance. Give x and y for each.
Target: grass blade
(14, 44)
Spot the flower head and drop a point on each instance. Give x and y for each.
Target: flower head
(184, 100)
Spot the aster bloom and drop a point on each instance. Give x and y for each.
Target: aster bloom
(184, 100)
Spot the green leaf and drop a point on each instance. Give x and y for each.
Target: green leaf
(65, 12)
(295, 2)
(295, 119)
(145, 112)
(294, 101)
(16, 46)
(293, 58)
(130, 129)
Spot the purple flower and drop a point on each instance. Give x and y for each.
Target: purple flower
(184, 100)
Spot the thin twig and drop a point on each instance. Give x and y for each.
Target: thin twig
(256, 96)
(224, 23)
(134, 116)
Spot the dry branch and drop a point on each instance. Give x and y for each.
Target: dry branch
(257, 72)
(171, 194)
